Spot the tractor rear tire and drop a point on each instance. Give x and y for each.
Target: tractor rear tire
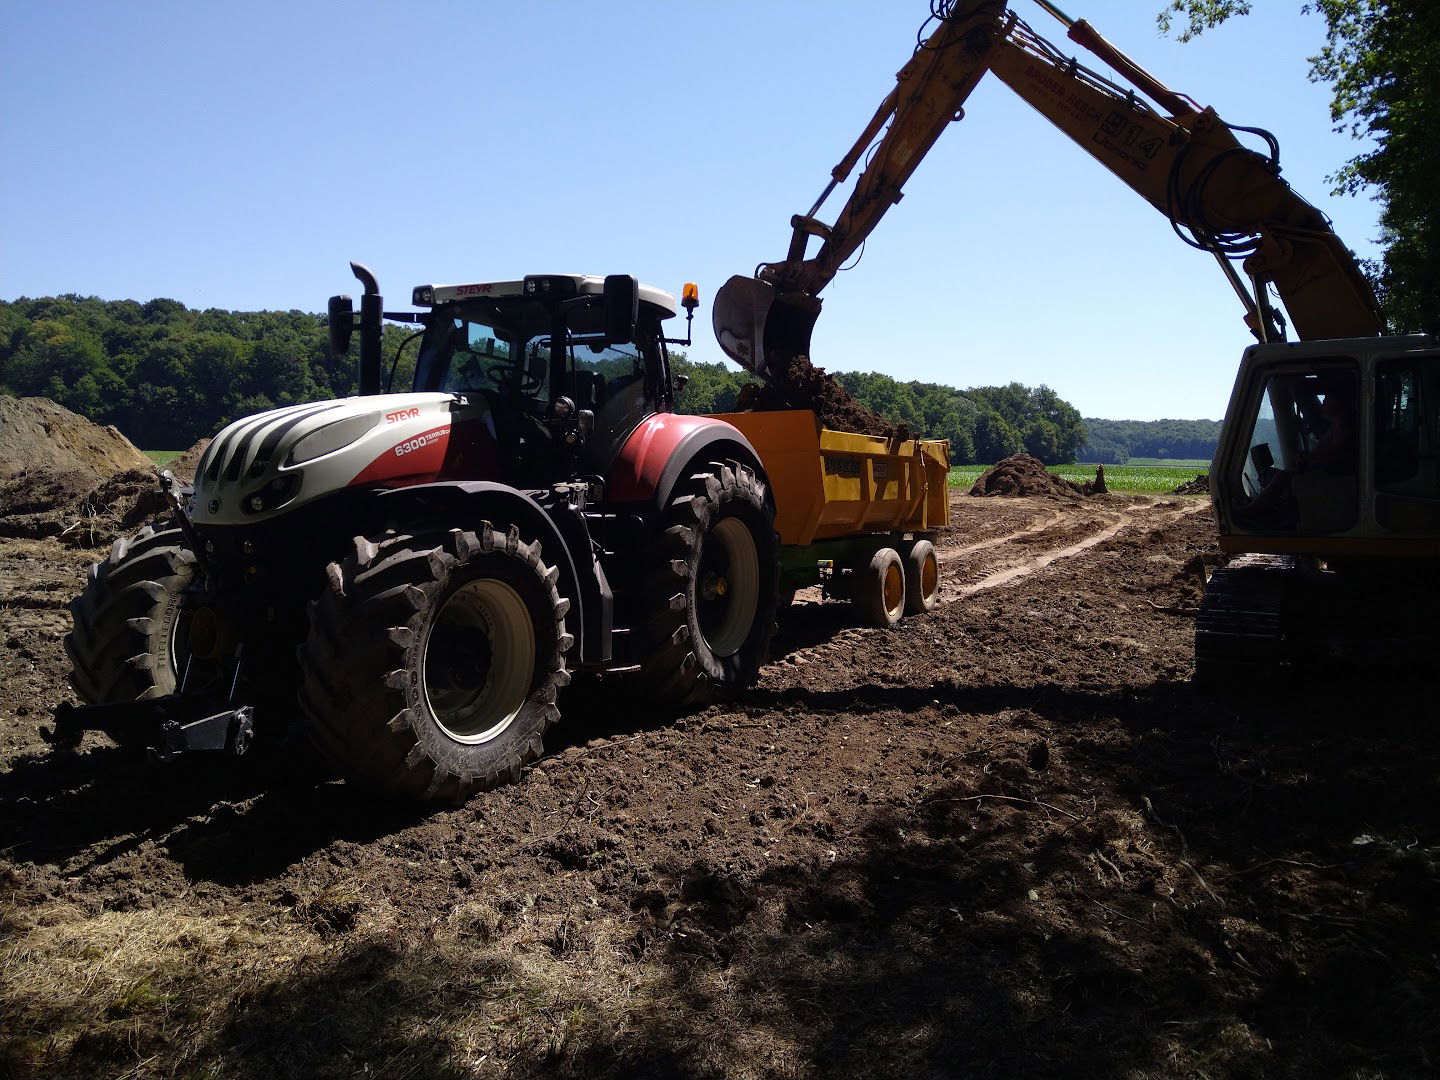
(880, 589)
(433, 662)
(712, 593)
(129, 639)
(922, 577)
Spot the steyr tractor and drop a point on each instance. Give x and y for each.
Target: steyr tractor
(407, 580)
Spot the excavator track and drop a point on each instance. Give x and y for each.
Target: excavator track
(1243, 626)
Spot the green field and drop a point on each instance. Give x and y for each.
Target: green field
(1140, 479)
(1198, 464)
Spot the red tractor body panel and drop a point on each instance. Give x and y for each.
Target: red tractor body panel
(652, 447)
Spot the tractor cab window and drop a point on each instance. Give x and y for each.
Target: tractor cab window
(1407, 444)
(618, 382)
(1301, 469)
(502, 348)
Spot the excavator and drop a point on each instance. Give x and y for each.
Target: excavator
(1326, 479)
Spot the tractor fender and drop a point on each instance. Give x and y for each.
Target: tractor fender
(470, 500)
(666, 446)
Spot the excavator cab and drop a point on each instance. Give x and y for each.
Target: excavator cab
(1336, 440)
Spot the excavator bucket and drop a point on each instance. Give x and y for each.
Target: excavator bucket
(760, 327)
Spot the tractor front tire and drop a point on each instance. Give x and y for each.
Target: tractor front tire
(712, 594)
(129, 638)
(433, 662)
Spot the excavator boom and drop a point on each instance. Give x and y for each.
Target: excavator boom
(1185, 161)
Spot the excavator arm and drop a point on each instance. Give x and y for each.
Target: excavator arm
(1185, 161)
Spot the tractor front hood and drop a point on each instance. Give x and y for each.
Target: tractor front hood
(273, 462)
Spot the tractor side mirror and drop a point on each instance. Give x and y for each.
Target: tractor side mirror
(342, 324)
(622, 308)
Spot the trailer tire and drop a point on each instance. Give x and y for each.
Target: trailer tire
(433, 662)
(880, 589)
(711, 597)
(128, 638)
(922, 577)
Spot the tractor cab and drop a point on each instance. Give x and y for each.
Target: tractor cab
(553, 372)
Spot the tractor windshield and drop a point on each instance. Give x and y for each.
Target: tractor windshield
(500, 346)
(519, 356)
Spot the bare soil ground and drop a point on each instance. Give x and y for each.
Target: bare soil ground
(1009, 838)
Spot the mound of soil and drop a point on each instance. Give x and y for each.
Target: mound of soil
(37, 433)
(809, 387)
(69, 505)
(62, 475)
(1199, 486)
(183, 467)
(1023, 475)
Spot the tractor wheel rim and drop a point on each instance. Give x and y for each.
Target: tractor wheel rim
(731, 555)
(479, 661)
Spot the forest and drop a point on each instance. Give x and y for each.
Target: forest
(167, 375)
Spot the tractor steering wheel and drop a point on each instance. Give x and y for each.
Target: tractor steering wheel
(500, 375)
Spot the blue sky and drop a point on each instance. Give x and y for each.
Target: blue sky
(238, 155)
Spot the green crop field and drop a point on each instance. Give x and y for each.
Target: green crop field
(1138, 479)
(1198, 464)
(162, 457)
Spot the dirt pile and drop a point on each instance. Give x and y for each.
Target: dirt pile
(1199, 486)
(183, 467)
(809, 387)
(36, 433)
(43, 502)
(62, 475)
(1022, 475)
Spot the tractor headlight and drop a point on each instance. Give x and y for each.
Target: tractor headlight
(273, 495)
(332, 437)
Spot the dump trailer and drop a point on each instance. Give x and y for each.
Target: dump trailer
(855, 513)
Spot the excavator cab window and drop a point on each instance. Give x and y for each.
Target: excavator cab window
(1301, 471)
(1407, 444)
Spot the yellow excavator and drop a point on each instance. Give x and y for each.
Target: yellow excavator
(1326, 479)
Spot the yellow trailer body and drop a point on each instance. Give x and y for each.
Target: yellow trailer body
(833, 484)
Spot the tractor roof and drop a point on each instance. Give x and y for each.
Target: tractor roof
(583, 285)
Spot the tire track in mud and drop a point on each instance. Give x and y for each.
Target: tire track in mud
(1040, 524)
(1009, 568)
(1159, 512)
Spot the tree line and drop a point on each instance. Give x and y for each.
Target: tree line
(167, 375)
(983, 423)
(1114, 442)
